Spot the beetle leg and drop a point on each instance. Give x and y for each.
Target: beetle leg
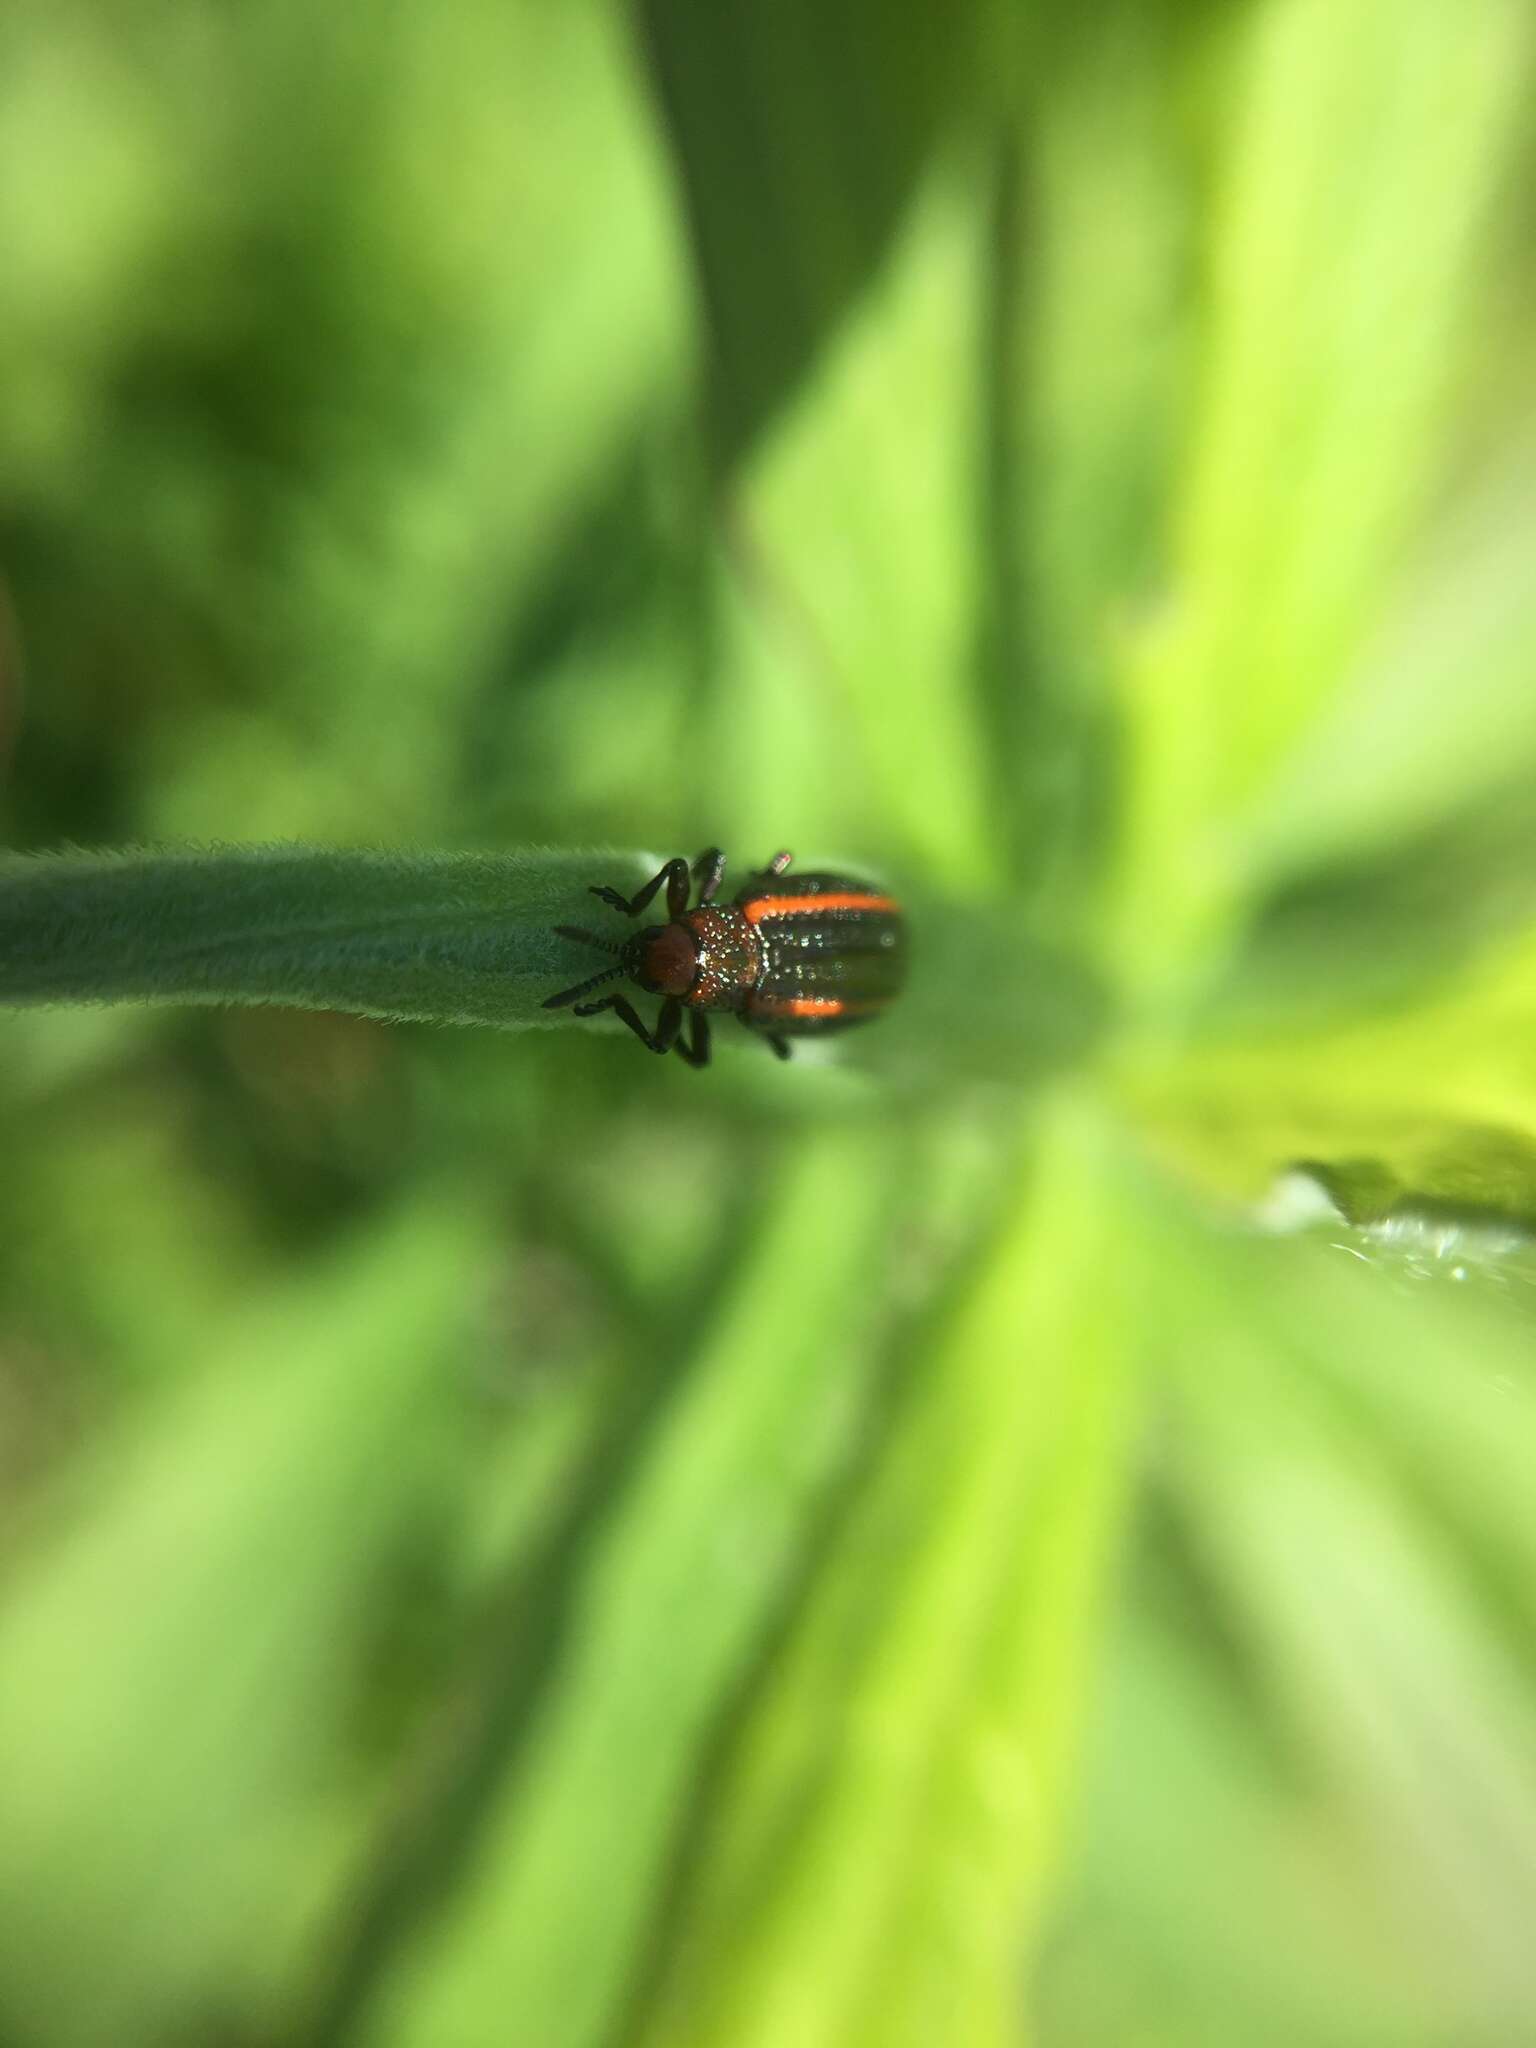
(659, 1040)
(675, 875)
(667, 1025)
(696, 1048)
(709, 872)
(779, 863)
(780, 1045)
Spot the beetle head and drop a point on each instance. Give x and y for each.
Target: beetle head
(663, 959)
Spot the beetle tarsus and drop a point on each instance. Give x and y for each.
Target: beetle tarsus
(709, 873)
(674, 873)
(667, 1024)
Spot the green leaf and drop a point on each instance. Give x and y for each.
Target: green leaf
(873, 1857)
(800, 133)
(453, 938)
(1353, 938)
(672, 1585)
(178, 1654)
(1438, 1095)
(854, 579)
(1087, 333)
(1344, 1498)
(1440, 710)
(1332, 338)
(462, 939)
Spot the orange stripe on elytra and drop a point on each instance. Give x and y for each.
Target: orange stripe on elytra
(808, 1006)
(810, 906)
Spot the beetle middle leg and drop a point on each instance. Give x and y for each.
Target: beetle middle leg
(662, 1039)
(695, 1047)
(674, 873)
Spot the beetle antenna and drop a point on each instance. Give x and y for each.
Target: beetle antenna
(586, 938)
(569, 995)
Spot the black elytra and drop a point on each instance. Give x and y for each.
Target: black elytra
(794, 956)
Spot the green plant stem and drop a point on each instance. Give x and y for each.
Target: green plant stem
(452, 938)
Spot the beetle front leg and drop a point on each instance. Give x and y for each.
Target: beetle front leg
(661, 1039)
(674, 873)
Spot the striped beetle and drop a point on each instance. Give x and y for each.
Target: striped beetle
(793, 956)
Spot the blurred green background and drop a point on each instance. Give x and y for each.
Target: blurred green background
(503, 1540)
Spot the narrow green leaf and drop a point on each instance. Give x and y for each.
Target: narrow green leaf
(872, 1864)
(451, 938)
(1217, 1895)
(1382, 1611)
(1310, 1814)
(800, 133)
(1440, 710)
(176, 1662)
(1087, 337)
(1438, 1096)
(675, 1585)
(1331, 354)
(1354, 937)
(855, 576)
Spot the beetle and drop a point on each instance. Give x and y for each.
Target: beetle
(793, 956)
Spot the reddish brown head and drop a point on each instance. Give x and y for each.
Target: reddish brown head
(663, 959)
